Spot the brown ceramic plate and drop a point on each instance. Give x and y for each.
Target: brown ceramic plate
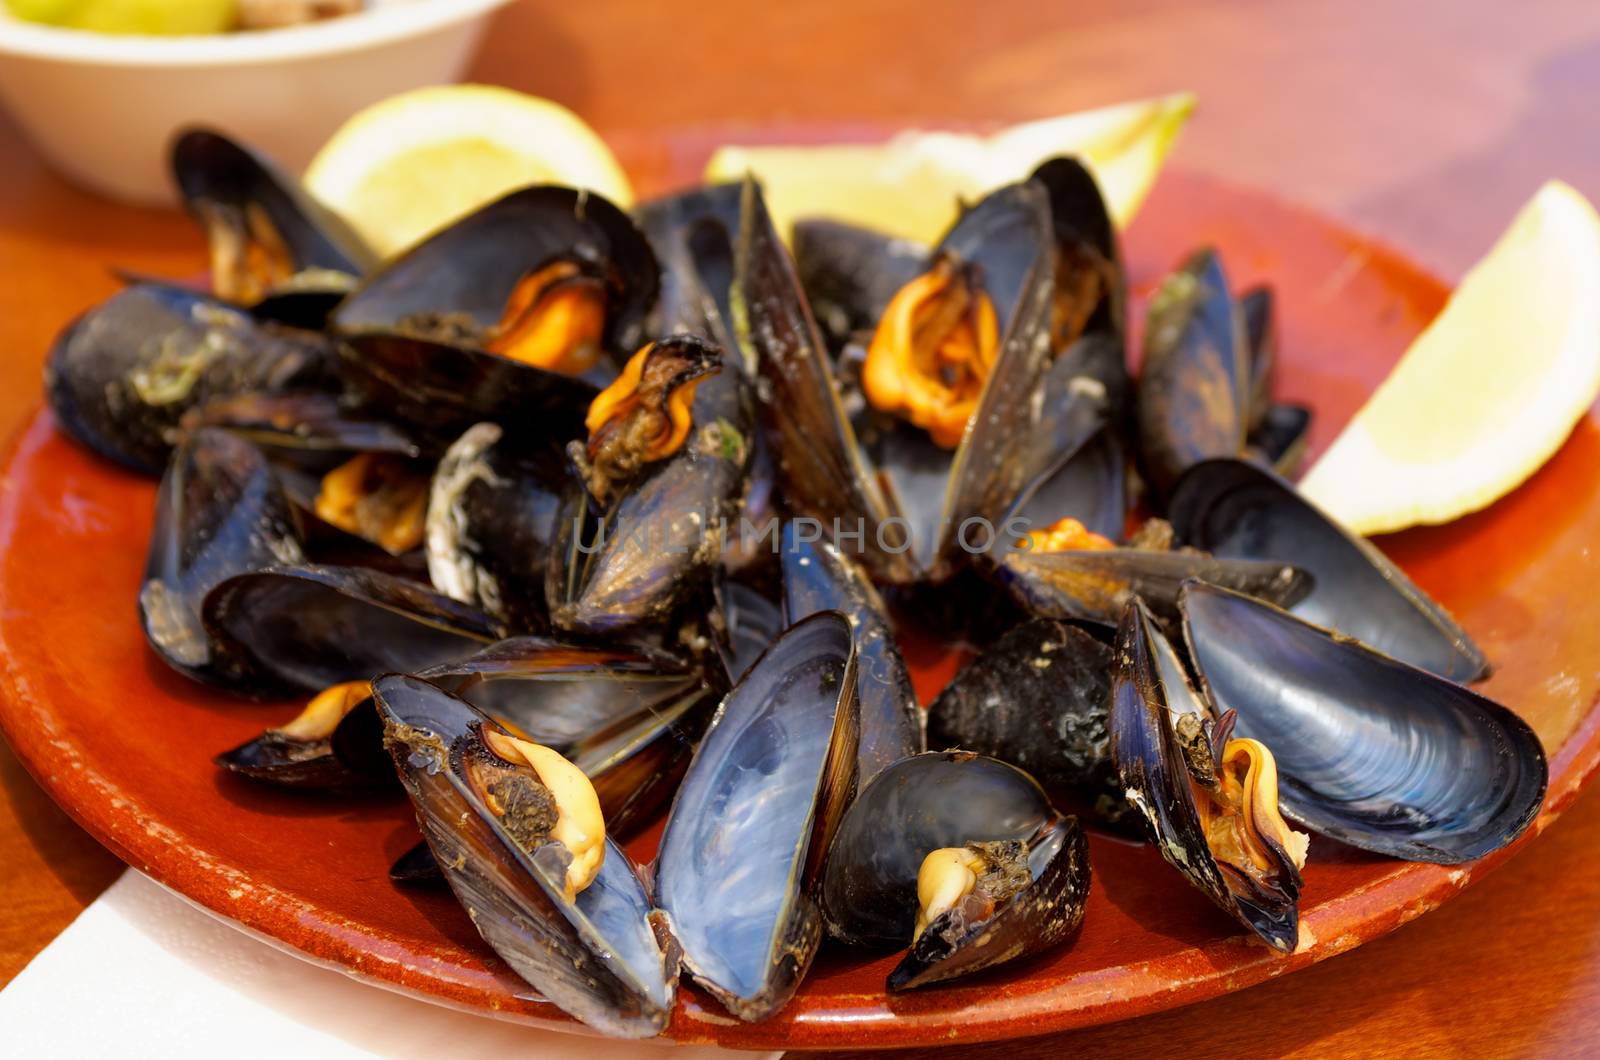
(125, 745)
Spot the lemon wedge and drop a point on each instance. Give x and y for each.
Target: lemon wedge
(1489, 391)
(911, 185)
(410, 165)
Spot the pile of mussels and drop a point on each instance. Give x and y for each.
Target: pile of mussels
(565, 516)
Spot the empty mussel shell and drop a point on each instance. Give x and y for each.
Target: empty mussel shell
(741, 855)
(1239, 510)
(306, 628)
(818, 577)
(1370, 750)
(595, 955)
(1194, 382)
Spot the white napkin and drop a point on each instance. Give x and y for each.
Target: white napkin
(142, 973)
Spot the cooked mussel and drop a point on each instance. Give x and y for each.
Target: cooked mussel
(273, 248)
(661, 475)
(359, 483)
(304, 753)
(693, 235)
(627, 717)
(1068, 572)
(1037, 698)
(491, 524)
(949, 444)
(742, 852)
(960, 857)
(121, 376)
(1194, 383)
(1209, 801)
(1370, 750)
(219, 513)
(496, 317)
(1237, 510)
(850, 273)
(306, 628)
(520, 836)
(818, 577)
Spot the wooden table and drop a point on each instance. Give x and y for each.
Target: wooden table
(1428, 124)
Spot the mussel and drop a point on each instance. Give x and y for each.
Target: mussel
(850, 273)
(1240, 511)
(310, 750)
(1370, 750)
(492, 517)
(306, 628)
(947, 450)
(120, 377)
(1194, 383)
(1209, 802)
(520, 837)
(818, 577)
(219, 513)
(742, 853)
(661, 475)
(627, 717)
(273, 249)
(1038, 698)
(960, 857)
(497, 317)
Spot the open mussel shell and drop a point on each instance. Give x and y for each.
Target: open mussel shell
(748, 620)
(1095, 585)
(627, 717)
(1037, 698)
(308, 429)
(1258, 314)
(1370, 751)
(596, 956)
(1045, 913)
(121, 376)
(307, 628)
(693, 234)
(818, 577)
(219, 513)
(350, 757)
(657, 542)
(1091, 285)
(1280, 440)
(1008, 236)
(239, 198)
(1238, 510)
(947, 799)
(849, 274)
(397, 359)
(820, 467)
(492, 514)
(1086, 481)
(1194, 382)
(1150, 692)
(743, 847)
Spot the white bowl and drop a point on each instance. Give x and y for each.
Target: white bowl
(102, 108)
